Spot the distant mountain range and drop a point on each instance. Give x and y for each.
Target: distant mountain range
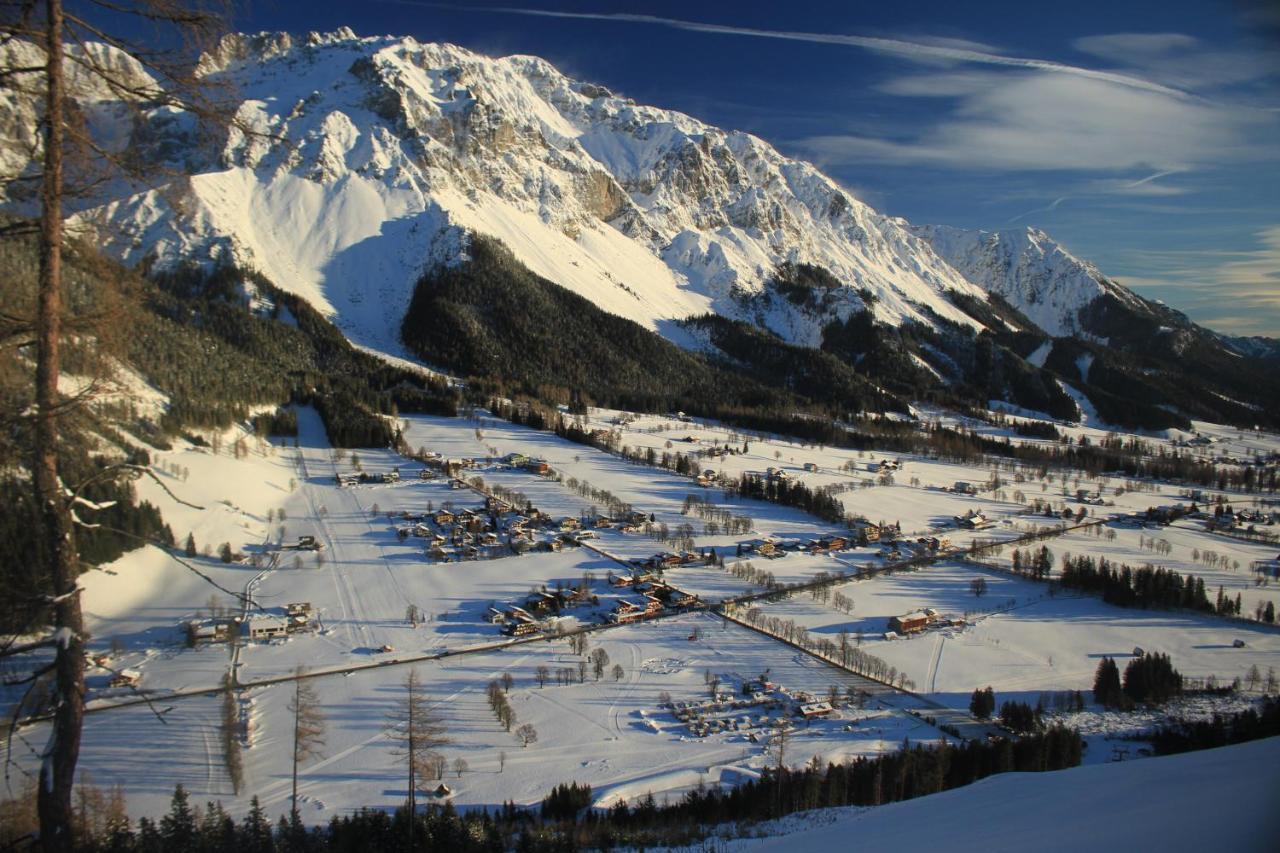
(372, 165)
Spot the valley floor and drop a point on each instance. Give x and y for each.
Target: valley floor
(674, 713)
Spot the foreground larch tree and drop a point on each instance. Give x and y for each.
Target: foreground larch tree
(47, 54)
(417, 732)
(308, 731)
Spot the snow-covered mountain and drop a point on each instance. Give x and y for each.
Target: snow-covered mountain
(1033, 272)
(358, 162)
(355, 165)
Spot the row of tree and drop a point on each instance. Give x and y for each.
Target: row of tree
(1148, 679)
(1147, 586)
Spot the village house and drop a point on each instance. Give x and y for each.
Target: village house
(264, 627)
(973, 520)
(542, 602)
(516, 613)
(963, 488)
(520, 629)
(911, 623)
(633, 608)
(209, 631)
(674, 597)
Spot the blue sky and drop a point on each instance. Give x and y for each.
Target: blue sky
(1144, 136)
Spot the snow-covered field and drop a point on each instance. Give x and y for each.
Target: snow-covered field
(1219, 799)
(1018, 639)
(612, 733)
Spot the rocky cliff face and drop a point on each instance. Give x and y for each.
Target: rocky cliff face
(346, 149)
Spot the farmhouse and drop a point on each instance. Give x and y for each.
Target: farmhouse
(815, 709)
(214, 631)
(963, 488)
(973, 520)
(520, 629)
(632, 608)
(861, 530)
(911, 623)
(267, 627)
(674, 597)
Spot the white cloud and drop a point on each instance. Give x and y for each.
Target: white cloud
(1045, 121)
(1176, 59)
(1235, 292)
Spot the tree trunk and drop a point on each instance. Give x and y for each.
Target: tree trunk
(58, 550)
(297, 710)
(413, 762)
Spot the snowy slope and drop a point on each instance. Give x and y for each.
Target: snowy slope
(1036, 274)
(357, 163)
(1218, 799)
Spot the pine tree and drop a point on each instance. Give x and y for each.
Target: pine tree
(178, 827)
(190, 550)
(982, 703)
(254, 835)
(1106, 684)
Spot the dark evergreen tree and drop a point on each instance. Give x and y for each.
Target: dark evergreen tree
(178, 827)
(1151, 679)
(1107, 690)
(982, 703)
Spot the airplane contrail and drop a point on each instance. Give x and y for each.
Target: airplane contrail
(897, 47)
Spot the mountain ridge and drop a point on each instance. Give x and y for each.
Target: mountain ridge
(370, 161)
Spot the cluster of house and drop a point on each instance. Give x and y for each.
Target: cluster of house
(296, 616)
(884, 466)
(917, 621)
(364, 477)
(647, 596)
(772, 547)
(534, 613)
(770, 473)
(761, 707)
(460, 534)
(1088, 496)
(665, 560)
(1224, 517)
